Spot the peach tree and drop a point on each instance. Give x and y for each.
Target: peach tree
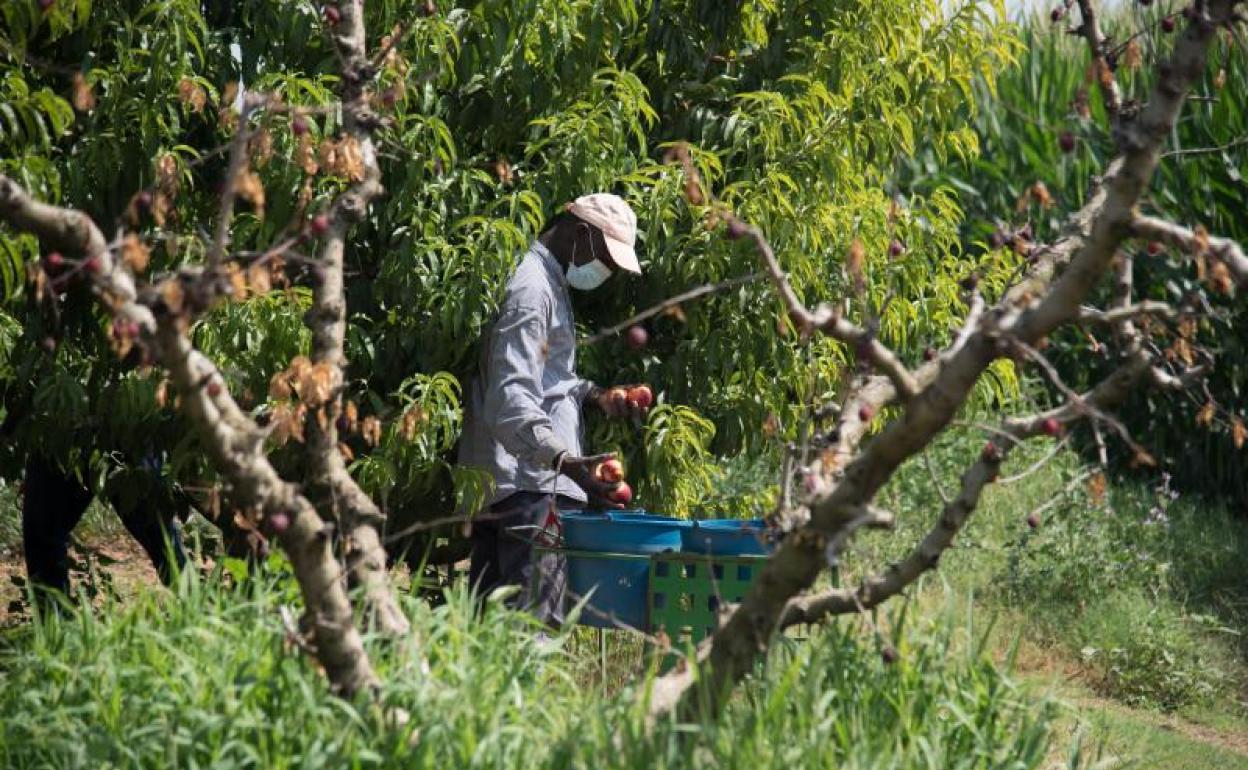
(296, 218)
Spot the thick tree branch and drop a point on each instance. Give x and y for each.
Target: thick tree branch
(926, 555)
(1033, 308)
(331, 485)
(235, 443)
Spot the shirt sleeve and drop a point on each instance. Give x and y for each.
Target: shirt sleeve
(514, 392)
(582, 389)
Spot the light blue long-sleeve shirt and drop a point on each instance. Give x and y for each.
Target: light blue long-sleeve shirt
(524, 405)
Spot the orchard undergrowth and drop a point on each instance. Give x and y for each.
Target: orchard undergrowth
(208, 675)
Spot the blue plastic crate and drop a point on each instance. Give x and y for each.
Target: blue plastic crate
(608, 555)
(727, 537)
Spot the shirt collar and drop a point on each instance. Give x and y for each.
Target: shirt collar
(549, 261)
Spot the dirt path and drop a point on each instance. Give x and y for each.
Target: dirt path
(116, 565)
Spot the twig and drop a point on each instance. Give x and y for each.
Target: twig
(1145, 307)
(1043, 461)
(1091, 30)
(238, 158)
(827, 320)
(688, 296)
(1190, 241)
(1205, 150)
(940, 489)
(1080, 403)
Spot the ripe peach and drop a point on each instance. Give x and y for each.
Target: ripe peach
(637, 337)
(641, 397)
(622, 494)
(611, 471)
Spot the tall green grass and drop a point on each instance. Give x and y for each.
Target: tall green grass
(206, 677)
(1142, 587)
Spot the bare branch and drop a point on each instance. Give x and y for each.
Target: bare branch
(229, 188)
(668, 304)
(827, 320)
(931, 471)
(968, 326)
(1206, 150)
(1166, 381)
(1034, 307)
(1191, 242)
(1090, 29)
(1148, 307)
(926, 555)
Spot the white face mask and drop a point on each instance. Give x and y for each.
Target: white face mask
(588, 276)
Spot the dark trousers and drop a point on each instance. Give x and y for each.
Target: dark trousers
(502, 553)
(52, 506)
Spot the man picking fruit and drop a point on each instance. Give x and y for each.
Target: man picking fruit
(523, 421)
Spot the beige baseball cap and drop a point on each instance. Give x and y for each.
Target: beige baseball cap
(610, 214)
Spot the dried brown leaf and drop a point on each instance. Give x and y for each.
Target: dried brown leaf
(134, 253)
(258, 279)
(238, 283)
(1200, 240)
(261, 147)
(192, 94)
(305, 155)
(1096, 487)
(1239, 433)
(279, 386)
(855, 263)
(316, 383)
(1220, 277)
(411, 422)
(1040, 192)
(1132, 56)
(1204, 417)
(82, 97)
(167, 174)
(370, 430)
(247, 186)
(173, 295)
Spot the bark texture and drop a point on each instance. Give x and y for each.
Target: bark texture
(334, 491)
(235, 442)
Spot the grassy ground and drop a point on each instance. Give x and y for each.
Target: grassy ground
(1107, 636)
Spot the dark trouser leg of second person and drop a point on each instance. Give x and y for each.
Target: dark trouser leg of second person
(521, 519)
(52, 506)
(159, 536)
(147, 507)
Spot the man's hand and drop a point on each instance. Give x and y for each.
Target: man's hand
(629, 401)
(582, 470)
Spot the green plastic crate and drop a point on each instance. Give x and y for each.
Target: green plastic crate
(687, 589)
